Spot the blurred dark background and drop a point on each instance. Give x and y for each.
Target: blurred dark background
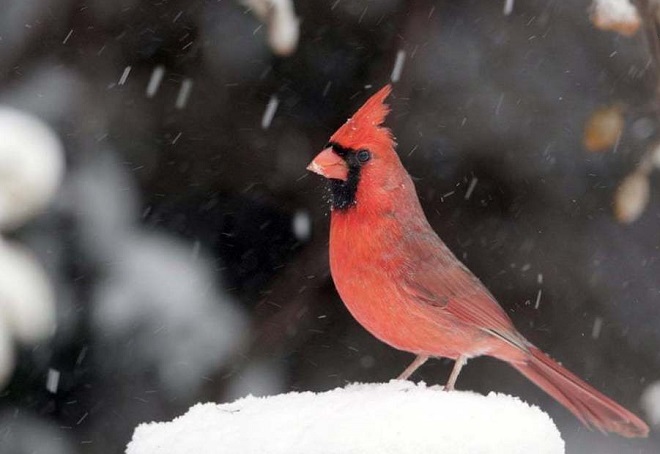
(187, 245)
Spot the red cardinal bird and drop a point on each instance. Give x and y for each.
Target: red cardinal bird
(403, 284)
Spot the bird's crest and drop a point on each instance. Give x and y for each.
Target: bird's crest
(365, 126)
(374, 111)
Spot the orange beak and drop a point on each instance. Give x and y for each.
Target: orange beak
(330, 165)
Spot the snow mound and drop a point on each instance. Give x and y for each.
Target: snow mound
(396, 417)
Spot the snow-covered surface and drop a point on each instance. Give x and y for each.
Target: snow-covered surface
(396, 417)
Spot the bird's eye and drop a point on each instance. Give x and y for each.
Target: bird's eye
(363, 155)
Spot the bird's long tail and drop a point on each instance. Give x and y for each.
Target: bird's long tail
(590, 406)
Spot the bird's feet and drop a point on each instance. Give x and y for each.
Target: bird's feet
(413, 367)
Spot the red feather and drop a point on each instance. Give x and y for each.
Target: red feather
(364, 127)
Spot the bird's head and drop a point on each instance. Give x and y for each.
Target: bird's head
(360, 153)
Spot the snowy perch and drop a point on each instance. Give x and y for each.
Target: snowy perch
(397, 417)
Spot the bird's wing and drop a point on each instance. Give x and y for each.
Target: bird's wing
(438, 279)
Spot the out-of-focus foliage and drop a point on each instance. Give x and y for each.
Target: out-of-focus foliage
(603, 128)
(631, 197)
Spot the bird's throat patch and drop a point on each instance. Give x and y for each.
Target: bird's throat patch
(344, 193)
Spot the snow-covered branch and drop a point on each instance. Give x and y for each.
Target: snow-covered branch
(31, 166)
(281, 21)
(31, 169)
(615, 15)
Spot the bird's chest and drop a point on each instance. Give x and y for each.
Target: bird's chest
(364, 261)
(364, 253)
